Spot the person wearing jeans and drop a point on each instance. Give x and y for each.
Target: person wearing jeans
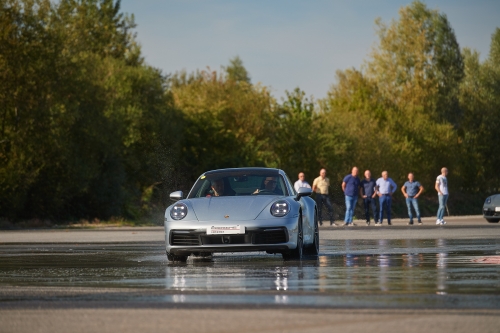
(442, 189)
(412, 190)
(385, 189)
(367, 191)
(350, 186)
(350, 205)
(385, 202)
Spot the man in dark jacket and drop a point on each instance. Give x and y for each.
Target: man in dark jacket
(368, 192)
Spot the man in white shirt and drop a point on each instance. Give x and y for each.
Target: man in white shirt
(442, 189)
(301, 182)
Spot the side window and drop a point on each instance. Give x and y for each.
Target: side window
(203, 189)
(292, 190)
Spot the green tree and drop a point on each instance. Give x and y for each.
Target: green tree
(392, 115)
(228, 122)
(417, 64)
(80, 112)
(479, 98)
(295, 136)
(354, 113)
(236, 71)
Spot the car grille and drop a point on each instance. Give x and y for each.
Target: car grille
(182, 239)
(256, 236)
(490, 212)
(270, 237)
(226, 239)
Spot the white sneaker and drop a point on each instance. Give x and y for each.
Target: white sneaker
(438, 221)
(443, 222)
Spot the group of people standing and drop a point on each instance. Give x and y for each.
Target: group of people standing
(369, 190)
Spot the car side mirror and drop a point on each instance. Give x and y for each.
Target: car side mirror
(303, 192)
(177, 195)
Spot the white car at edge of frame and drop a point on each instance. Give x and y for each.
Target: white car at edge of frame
(491, 208)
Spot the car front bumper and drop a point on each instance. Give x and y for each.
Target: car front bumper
(273, 235)
(490, 211)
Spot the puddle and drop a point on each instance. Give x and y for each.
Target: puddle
(361, 267)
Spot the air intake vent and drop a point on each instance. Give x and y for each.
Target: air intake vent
(270, 237)
(179, 239)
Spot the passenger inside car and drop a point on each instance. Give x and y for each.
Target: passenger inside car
(219, 188)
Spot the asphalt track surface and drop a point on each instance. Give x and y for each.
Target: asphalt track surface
(380, 279)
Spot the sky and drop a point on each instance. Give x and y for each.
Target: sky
(286, 44)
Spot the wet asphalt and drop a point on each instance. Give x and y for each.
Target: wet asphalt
(363, 268)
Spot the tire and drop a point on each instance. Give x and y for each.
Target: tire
(173, 258)
(313, 249)
(296, 254)
(492, 220)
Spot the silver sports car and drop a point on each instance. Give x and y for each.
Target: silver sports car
(491, 209)
(243, 209)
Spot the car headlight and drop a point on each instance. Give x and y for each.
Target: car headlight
(280, 208)
(178, 211)
(488, 200)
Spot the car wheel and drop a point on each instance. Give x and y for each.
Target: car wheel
(296, 254)
(313, 250)
(492, 220)
(173, 258)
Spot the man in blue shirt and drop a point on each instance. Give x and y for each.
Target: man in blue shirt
(350, 186)
(385, 189)
(412, 190)
(368, 192)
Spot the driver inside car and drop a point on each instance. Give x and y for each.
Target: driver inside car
(269, 186)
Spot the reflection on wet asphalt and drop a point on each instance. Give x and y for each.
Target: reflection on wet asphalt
(347, 266)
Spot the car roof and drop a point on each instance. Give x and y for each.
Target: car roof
(248, 169)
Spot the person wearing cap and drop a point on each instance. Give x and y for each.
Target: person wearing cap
(301, 182)
(385, 189)
(412, 190)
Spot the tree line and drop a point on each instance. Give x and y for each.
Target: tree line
(90, 130)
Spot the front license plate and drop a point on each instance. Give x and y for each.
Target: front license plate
(497, 209)
(214, 230)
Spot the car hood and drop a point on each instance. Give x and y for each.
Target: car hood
(495, 199)
(236, 208)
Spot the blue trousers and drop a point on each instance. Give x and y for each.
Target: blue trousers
(370, 202)
(350, 204)
(413, 202)
(385, 206)
(442, 206)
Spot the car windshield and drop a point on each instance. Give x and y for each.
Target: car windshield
(237, 183)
